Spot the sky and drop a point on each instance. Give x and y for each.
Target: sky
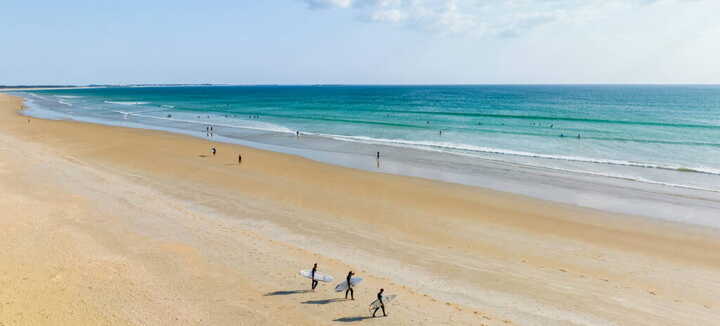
(359, 41)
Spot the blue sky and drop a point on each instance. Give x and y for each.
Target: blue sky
(360, 41)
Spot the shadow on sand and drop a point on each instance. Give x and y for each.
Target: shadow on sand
(286, 292)
(326, 301)
(353, 319)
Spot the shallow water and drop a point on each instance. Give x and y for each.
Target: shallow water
(543, 141)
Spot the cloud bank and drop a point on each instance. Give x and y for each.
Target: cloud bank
(481, 17)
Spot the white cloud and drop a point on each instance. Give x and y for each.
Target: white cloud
(481, 17)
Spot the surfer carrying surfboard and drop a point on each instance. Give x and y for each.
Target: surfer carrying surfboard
(350, 286)
(382, 304)
(312, 277)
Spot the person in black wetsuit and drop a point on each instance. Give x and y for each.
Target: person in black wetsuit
(312, 274)
(350, 289)
(382, 304)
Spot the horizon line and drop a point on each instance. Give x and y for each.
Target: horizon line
(347, 84)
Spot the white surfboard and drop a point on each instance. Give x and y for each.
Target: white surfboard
(344, 286)
(386, 300)
(318, 276)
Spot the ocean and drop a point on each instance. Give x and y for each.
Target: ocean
(666, 136)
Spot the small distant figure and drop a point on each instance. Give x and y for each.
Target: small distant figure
(28, 120)
(427, 122)
(562, 135)
(578, 136)
(349, 289)
(440, 132)
(382, 304)
(312, 276)
(297, 133)
(377, 155)
(551, 125)
(169, 115)
(239, 158)
(213, 150)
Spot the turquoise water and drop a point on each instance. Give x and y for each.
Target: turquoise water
(657, 134)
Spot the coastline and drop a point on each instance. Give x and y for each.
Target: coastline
(491, 256)
(657, 192)
(20, 89)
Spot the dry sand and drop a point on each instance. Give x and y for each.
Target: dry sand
(105, 225)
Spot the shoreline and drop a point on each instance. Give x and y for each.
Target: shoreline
(456, 254)
(611, 191)
(9, 89)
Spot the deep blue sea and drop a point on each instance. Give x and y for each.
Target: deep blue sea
(666, 135)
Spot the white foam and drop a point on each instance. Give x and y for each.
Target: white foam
(444, 146)
(256, 126)
(126, 102)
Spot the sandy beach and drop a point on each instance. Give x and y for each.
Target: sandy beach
(111, 226)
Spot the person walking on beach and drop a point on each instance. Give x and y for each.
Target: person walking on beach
(239, 158)
(312, 276)
(382, 304)
(350, 289)
(213, 150)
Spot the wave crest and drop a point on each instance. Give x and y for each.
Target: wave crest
(450, 147)
(126, 102)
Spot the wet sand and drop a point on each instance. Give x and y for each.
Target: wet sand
(109, 225)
